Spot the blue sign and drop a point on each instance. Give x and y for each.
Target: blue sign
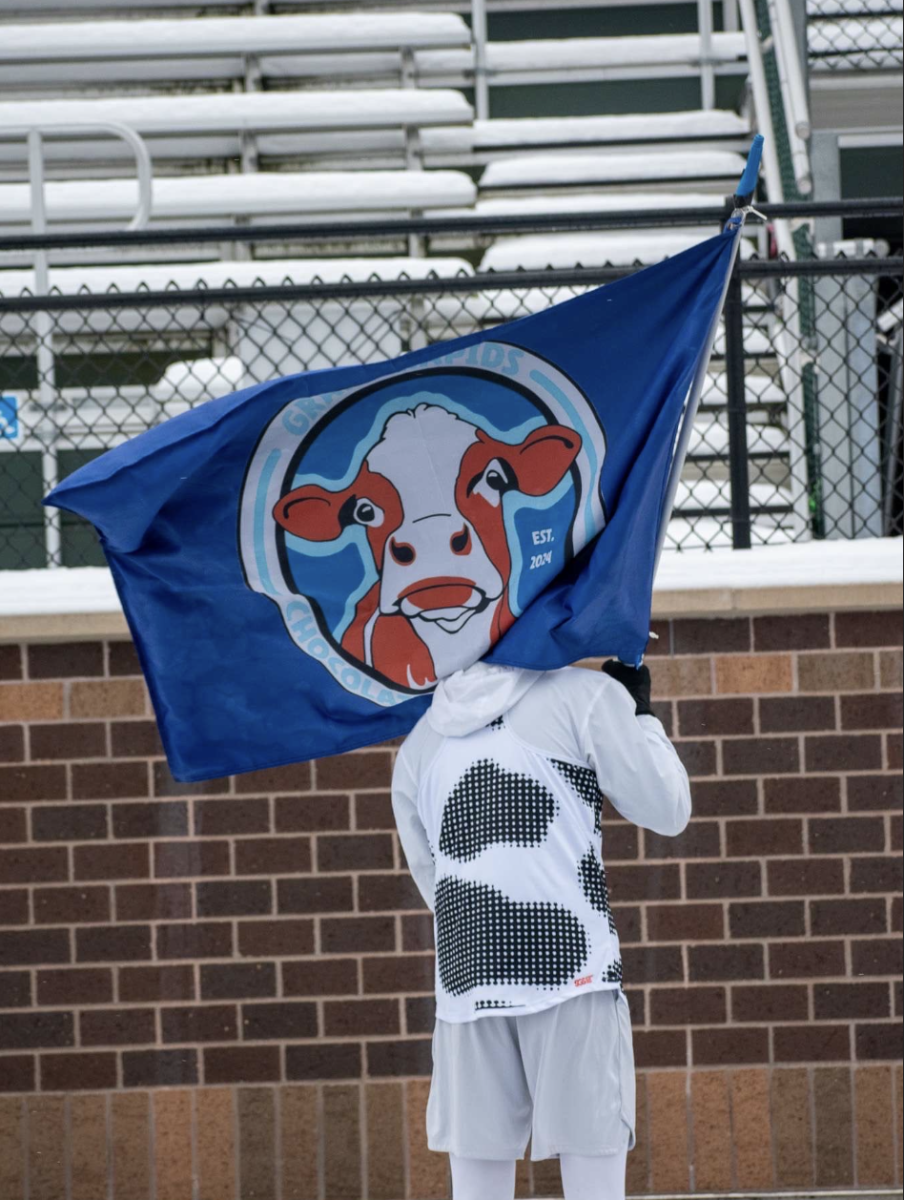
(9, 417)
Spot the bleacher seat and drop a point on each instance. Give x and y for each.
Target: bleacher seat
(556, 172)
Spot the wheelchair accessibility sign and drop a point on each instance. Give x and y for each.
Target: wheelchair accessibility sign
(9, 417)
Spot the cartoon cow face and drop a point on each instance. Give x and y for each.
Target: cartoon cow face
(430, 496)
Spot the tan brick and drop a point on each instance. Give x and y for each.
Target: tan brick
(108, 698)
(834, 1127)
(875, 1126)
(31, 701)
(639, 1158)
(891, 668)
(12, 1147)
(668, 1131)
(746, 674)
(88, 1146)
(257, 1143)
(681, 677)
(711, 1116)
(172, 1145)
(428, 1173)
(215, 1125)
(836, 672)
(384, 1103)
(792, 1128)
(130, 1119)
(899, 1112)
(300, 1143)
(750, 1121)
(47, 1148)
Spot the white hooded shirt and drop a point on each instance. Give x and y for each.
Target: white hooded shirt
(498, 794)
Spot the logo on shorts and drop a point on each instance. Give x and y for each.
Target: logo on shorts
(585, 979)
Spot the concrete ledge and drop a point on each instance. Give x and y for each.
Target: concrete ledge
(80, 603)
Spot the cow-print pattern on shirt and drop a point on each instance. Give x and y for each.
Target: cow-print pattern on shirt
(583, 780)
(485, 939)
(489, 805)
(592, 875)
(615, 974)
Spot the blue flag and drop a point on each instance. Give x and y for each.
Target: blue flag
(301, 561)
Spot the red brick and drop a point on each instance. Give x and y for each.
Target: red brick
(71, 905)
(878, 956)
(109, 781)
(65, 660)
(688, 1006)
(181, 860)
(109, 943)
(805, 876)
(15, 989)
(194, 939)
(764, 838)
(350, 1018)
(241, 1064)
(725, 798)
(159, 1068)
(355, 852)
(200, 1023)
(374, 812)
(321, 977)
(142, 985)
(720, 1047)
(874, 710)
(699, 758)
(12, 742)
(78, 1072)
(293, 778)
(849, 1001)
(807, 631)
(653, 964)
(767, 919)
(151, 820)
(82, 739)
(166, 785)
(382, 893)
(323, 1060)
(69, 823)
(644, 882)
(78, 986)
(709, 718)
(776, 1002)
(420, 1014)
(710, 964)
(275, 939)
(36, 1031)
(846, 835)
(417, 931)
(310, 814)
(10, 662)
(117, 1027)
(410, 1057)
(403, 973)
(894, 743)
(124, 860)
(711, 636)
(237, 981)
(868, 629)
(699, 840)
(135, 739)
(286, 1021)
(273, 856)
(235, 898)
(806, 960)
(13, 826)
(844, 752)
(804, 795)
(796, 714)
(621, 842)
(32, 783)
(708, 881)
(365, 769)
(28, 947)
(123, 659)
(760, 756)
(685, 922)
(219, 818)
(34, 865)
(17, 1071)
(876, 874)
(14, 907)
(153, 901)
(834, 918)
(659, 1048)
(317, 895)
(878, 1041)
(812, 1043)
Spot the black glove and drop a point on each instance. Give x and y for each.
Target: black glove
(636, 680)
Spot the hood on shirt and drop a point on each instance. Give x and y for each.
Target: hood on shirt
(471, 699)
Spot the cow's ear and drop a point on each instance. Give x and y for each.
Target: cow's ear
(543, 458)
(311, 512)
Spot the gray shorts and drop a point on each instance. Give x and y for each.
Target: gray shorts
(562, 1077)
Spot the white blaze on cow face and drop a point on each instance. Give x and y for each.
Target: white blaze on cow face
(435, 571)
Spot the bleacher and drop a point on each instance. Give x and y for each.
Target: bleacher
(256, 113)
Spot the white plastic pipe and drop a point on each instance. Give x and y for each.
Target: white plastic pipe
(707, 66)
(481, 79)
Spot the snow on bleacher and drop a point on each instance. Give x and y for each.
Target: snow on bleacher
(561, 170)
(562, 251)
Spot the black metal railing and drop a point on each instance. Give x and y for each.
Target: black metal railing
(799, 430)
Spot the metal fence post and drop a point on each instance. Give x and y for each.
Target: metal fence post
(738, 465)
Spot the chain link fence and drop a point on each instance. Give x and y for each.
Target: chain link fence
(855, 35)
(798, 434)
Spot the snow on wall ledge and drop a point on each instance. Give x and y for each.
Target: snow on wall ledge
(811, 576)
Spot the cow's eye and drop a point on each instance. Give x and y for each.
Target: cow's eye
(494, 482)
(367, 513)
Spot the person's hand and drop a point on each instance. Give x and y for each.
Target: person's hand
(636, 680)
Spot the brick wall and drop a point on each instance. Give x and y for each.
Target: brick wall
(231, 981)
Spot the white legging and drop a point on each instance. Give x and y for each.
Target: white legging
(582, 1178)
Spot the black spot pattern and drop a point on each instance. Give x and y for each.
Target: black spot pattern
(496, 725)
(489, 805)
(485, 1005)
(614, 974)
(592, 875)
(484, 939)
(583, 780)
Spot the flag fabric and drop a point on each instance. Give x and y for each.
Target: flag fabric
(301, 561)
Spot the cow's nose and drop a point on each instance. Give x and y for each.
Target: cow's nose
(402, 552)
(461, 541)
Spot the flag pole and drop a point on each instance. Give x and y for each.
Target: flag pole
(743, 199)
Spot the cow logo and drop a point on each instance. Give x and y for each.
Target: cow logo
(401, 527)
